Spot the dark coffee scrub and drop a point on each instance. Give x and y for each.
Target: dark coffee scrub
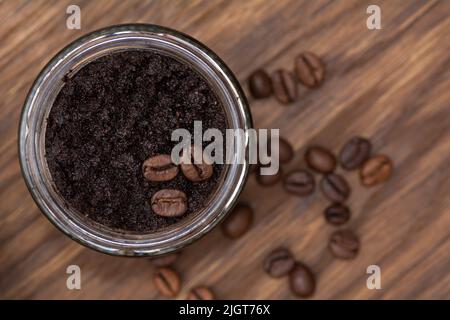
(108, 140)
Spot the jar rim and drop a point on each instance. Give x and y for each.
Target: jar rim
(30, 136)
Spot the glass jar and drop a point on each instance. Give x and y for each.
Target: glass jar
(34, 120)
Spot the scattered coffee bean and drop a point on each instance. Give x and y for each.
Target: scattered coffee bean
(344, 244)
(375, 170)
(279, 262)
(310, 69)
(196, 172)
(284, 86)
(335, 187)
(302, 281)
(268, 180)
(159, 168)
(260, 84)
(320, 159)
(165, 260)
(238, 221)
(169, 203)
(286, 153)
(299, 182)
(167, 281)
(127, 102)
(354, 153)
(337, 214)
(200, 293)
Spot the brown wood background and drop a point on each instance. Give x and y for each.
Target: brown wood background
(391, 85)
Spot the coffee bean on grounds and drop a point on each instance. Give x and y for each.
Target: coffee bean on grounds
(286, 153)
(159, 168)
(268, 180)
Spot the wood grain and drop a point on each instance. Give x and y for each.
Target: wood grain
(391, 85)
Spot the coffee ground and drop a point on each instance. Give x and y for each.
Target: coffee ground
(109, 117)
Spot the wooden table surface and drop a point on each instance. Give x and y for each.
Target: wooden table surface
(391, 85)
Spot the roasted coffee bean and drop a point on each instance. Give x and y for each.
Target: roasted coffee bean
(299, 182)
(159, 168)
(196, 172)
(344, 244)
(169, 202)
(337, 214)
(335, 187)
(260, 84)
(302, 281)
(238, 221)
(284, 86)
(200, 293)
(268, 180)
(310, 69)
(286, 153)
(165, 260)
(279, 262)
(354, 153)
(320, 159)
(375, 170)
(167, 281)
